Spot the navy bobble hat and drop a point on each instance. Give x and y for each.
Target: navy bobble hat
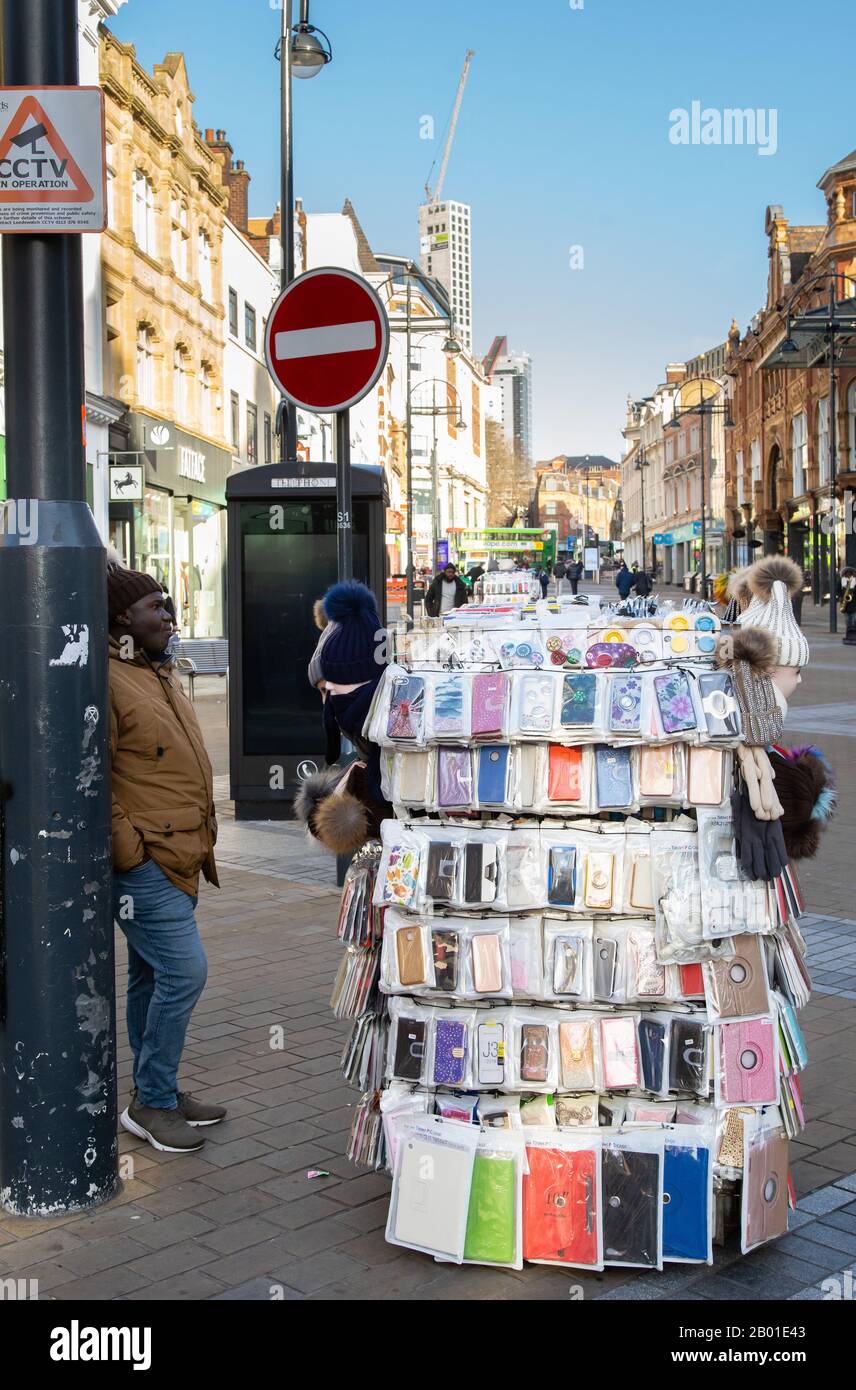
(348, 656)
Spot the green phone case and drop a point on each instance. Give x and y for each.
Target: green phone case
(490, 1218)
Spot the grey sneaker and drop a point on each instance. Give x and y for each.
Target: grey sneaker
(166, 1130)
(196, 1112)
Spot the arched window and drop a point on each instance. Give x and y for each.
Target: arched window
(799, 453)
(180, 363)
(145, 364)
(205, 410)
(144, 212)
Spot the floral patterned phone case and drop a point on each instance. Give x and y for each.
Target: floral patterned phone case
(625, 706)
(675, 702)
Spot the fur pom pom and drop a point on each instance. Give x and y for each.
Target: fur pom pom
(807, 792)
(754, 645)
(114, 560)
(761, 576)
(349, 600)
(738, 589)
(311, 793)
(341, 824)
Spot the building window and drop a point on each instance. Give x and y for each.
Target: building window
(823, 441)
(799, 453)
(110, 151)
(205, 413)
(144, 212)
(741, 482)
(250, 326)
(233, 312)
(851, 424)
(179, 382)
(206, 282)
(145, 365)
(551, 508)
(269, 439)
(235, 410)
(252, 434)
(755, 461)
(178, 237)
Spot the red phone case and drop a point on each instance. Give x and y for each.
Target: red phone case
(565, 773)
(560, 1206)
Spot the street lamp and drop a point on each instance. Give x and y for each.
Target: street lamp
(302, 51)
(642, 463)
(700, 393)
(460, 424)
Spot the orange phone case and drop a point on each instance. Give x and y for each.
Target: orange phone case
(565, 778)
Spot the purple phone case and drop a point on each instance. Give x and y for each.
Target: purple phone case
(450, 1037)
(626, 704)
(489, 690)
(675, 700)
(454, 777)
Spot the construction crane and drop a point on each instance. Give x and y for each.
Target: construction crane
(434, 197)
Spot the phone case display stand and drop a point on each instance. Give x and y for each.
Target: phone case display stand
(575, 1019)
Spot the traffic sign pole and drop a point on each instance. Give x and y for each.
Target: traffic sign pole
(58, 1149)
(344, 501)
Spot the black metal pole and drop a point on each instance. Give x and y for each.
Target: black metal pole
(703, 508)
(58, 1149)
(344, 507)
(833, 469)
(408, 426)
(287, 411)
(642, 467)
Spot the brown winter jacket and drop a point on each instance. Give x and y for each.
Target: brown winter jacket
(163, 796)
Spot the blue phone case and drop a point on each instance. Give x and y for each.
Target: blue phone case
(614, 782)
(686, 1212)
(652, 1053)
(493, 774)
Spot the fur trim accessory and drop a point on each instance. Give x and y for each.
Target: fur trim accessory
(754, 645)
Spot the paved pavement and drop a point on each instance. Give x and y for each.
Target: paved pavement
(241, 1220)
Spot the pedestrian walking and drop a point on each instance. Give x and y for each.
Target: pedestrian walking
(544, 581)
(559, 573)
(847, 602)
(624, 580)
(164, 832)
(447, 591)
(575, 574)
(642, 582)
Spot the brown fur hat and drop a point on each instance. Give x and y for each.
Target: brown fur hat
(754, 645)
(760, 577)
(738, 589)
(805, 787)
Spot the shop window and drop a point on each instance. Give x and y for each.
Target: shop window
(206, 282)
(144, 212)
(252, 434)
(851, 427)
(268, 439)
(250, 326)
(233, 312)
(179, 382)
(235, 411)
(823, 441)
(145, 365)
(799, 453)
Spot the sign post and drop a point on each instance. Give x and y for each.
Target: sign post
(326, 344)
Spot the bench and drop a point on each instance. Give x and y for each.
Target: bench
(202, 656)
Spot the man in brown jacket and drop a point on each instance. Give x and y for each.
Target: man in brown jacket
(164, 830)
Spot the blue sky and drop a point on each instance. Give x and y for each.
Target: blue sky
(563, 142)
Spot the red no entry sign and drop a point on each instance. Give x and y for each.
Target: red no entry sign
(326, 340)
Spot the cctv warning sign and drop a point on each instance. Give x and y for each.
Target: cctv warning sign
(52, 166)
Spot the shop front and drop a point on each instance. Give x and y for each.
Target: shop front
(167, 517)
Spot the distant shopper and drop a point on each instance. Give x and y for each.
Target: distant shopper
(624, 580)
(447, 591)
(642, 582)
(575, 574)
(559, 572)
(847, 602)
(544, 581)
(475, 574)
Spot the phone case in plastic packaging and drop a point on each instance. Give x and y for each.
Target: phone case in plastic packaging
(738, 987)
(525, 869)
(491, 1046)
(582, 707)
(678, 900)
(688, 1054)
(431, 1186)
(733, 903)
(662, 774)
(650, 1112)
(499, 1112)
(565, 779)
(454, 778)
(407, 965)
(455, 1106)
(494, 1234)
(764, 1214)
(487, 958)
(718, 700)
(561, 861)
(747, 1062)
(646, 979)
(387, 772)
(579, 1111)
(632, 1177)
(533, 704)
(450, 1062)
(538, 1110)
(579, 1052)
(533, 1059)
(707, 775)
(489, 699)
(673, 693)
(653, 1034)
(568, 960)
(449, 717)
(493, 768)
(619, 1051)
(398, 1104)
(688, 1211)
(406, 715)
(527, 957)
(609, 952)
(615, 781)
(413, 777)
(624, 705)
(638, 891)
(600, 870)
(408, 1041)
(562, 1200)
(399, 881)
(526, 761)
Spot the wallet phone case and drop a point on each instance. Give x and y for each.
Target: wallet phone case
(536, 703)
(450, 1052)
(576, 1054)
(625, 704)
(560, 1217)
(738, 985)
(487, 963)
(413, 780)
(449, 705)
(614, 780)
(493, 774)
(440, 882)
(631, 1201)
(488, 703)
(748, 1058)
(686, 1197)
(605, 967)
(705, 777)
(480, 870)
(433, 1185)
(687, 1055)
(652, 1053)
(599, 885)
(579, 700)
(619, 1052)
(562, 875)
(565, 773)
(491, 1228)
(719, 702)
(410, 956)
(647, 978)
(490, 1040)
(567, 964)
(454, 777)
(658, 770)
(534, 1052)
(406, 708)
(675, 702)
(444, 948)
(409, 1049)
(765, 1189)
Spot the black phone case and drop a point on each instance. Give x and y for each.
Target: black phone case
(652, 1053)
(444, 947)
(630, 1206)
(686, 1056)
(409, 1049)
(442, 864)
(473, 861)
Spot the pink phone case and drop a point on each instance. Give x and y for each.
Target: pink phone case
(747, 1052)
(704, 785)
(488, 706)
(619, 1051)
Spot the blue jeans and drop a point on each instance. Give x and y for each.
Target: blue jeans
(167, 970)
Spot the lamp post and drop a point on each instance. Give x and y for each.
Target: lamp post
(434, 411)
(642, 463)
(705, 390)
(302, 52)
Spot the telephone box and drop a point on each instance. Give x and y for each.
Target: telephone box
(282, 557)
